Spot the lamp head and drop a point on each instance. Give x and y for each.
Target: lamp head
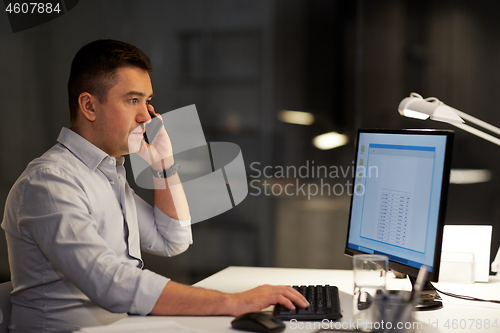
(416, 106)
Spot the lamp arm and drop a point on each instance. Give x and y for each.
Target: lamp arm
(478, 122)
(478, 133)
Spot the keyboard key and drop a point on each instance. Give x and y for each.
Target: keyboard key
(328, 297)
(320, 306)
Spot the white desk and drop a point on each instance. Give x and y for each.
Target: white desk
(454, 312)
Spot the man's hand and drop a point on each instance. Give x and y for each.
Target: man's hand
(178, 299)
(160, 150)
(263, 296)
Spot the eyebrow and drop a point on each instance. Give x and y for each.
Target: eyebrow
(137, 93)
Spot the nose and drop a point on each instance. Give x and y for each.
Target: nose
(145, 115)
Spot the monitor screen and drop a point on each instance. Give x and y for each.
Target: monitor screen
(399, 197)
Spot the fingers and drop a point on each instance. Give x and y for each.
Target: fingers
(294, 296)
(152, 112)
(287, 296)
(286, 302)
(151, 109)
(263, 296)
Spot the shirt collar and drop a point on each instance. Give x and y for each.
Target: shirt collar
(88, 153)
(120, 161)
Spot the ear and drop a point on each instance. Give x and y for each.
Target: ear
(86, 102)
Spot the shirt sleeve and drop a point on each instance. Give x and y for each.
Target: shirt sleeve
(55, 213)
(161, 234)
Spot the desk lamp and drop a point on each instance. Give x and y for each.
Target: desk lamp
(417, 107)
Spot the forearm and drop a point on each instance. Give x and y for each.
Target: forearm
(170, 198)
(169, 194)
(178, 299)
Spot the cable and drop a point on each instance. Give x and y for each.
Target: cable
(467, 298)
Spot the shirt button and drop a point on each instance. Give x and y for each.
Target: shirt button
(111, 162)
(112, 182)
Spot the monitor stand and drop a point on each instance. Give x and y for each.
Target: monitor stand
(429, 298)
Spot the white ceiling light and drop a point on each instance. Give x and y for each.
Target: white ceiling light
(469, 176)
(296, 117)
(330, 140)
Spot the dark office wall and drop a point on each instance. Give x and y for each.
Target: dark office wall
(445, 49)
(241, 61)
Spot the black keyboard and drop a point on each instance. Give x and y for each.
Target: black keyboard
(324, 304)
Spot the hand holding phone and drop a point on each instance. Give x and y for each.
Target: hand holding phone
(152, 128)
(156, 147)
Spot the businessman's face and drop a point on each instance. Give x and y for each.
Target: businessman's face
(126, 107)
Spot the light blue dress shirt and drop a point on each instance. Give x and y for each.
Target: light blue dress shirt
(74, 232)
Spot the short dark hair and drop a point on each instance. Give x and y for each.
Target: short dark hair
(94, 66)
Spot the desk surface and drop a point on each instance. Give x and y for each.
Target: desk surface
(455, 316)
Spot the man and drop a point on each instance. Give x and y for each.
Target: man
(75, 228)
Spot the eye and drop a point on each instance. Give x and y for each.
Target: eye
(148, 102)
(133, 100)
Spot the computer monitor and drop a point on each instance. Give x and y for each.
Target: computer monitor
(399, 197)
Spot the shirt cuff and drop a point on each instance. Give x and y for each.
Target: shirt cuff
(150, 287)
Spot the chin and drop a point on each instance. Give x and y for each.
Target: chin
(134, 144)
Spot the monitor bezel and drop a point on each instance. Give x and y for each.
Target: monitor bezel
(402, 268)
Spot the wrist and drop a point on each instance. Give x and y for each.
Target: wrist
(227, 304)
(166, 173)
(168, 162)
(163, 164)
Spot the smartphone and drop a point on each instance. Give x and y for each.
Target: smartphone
(152, 128)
